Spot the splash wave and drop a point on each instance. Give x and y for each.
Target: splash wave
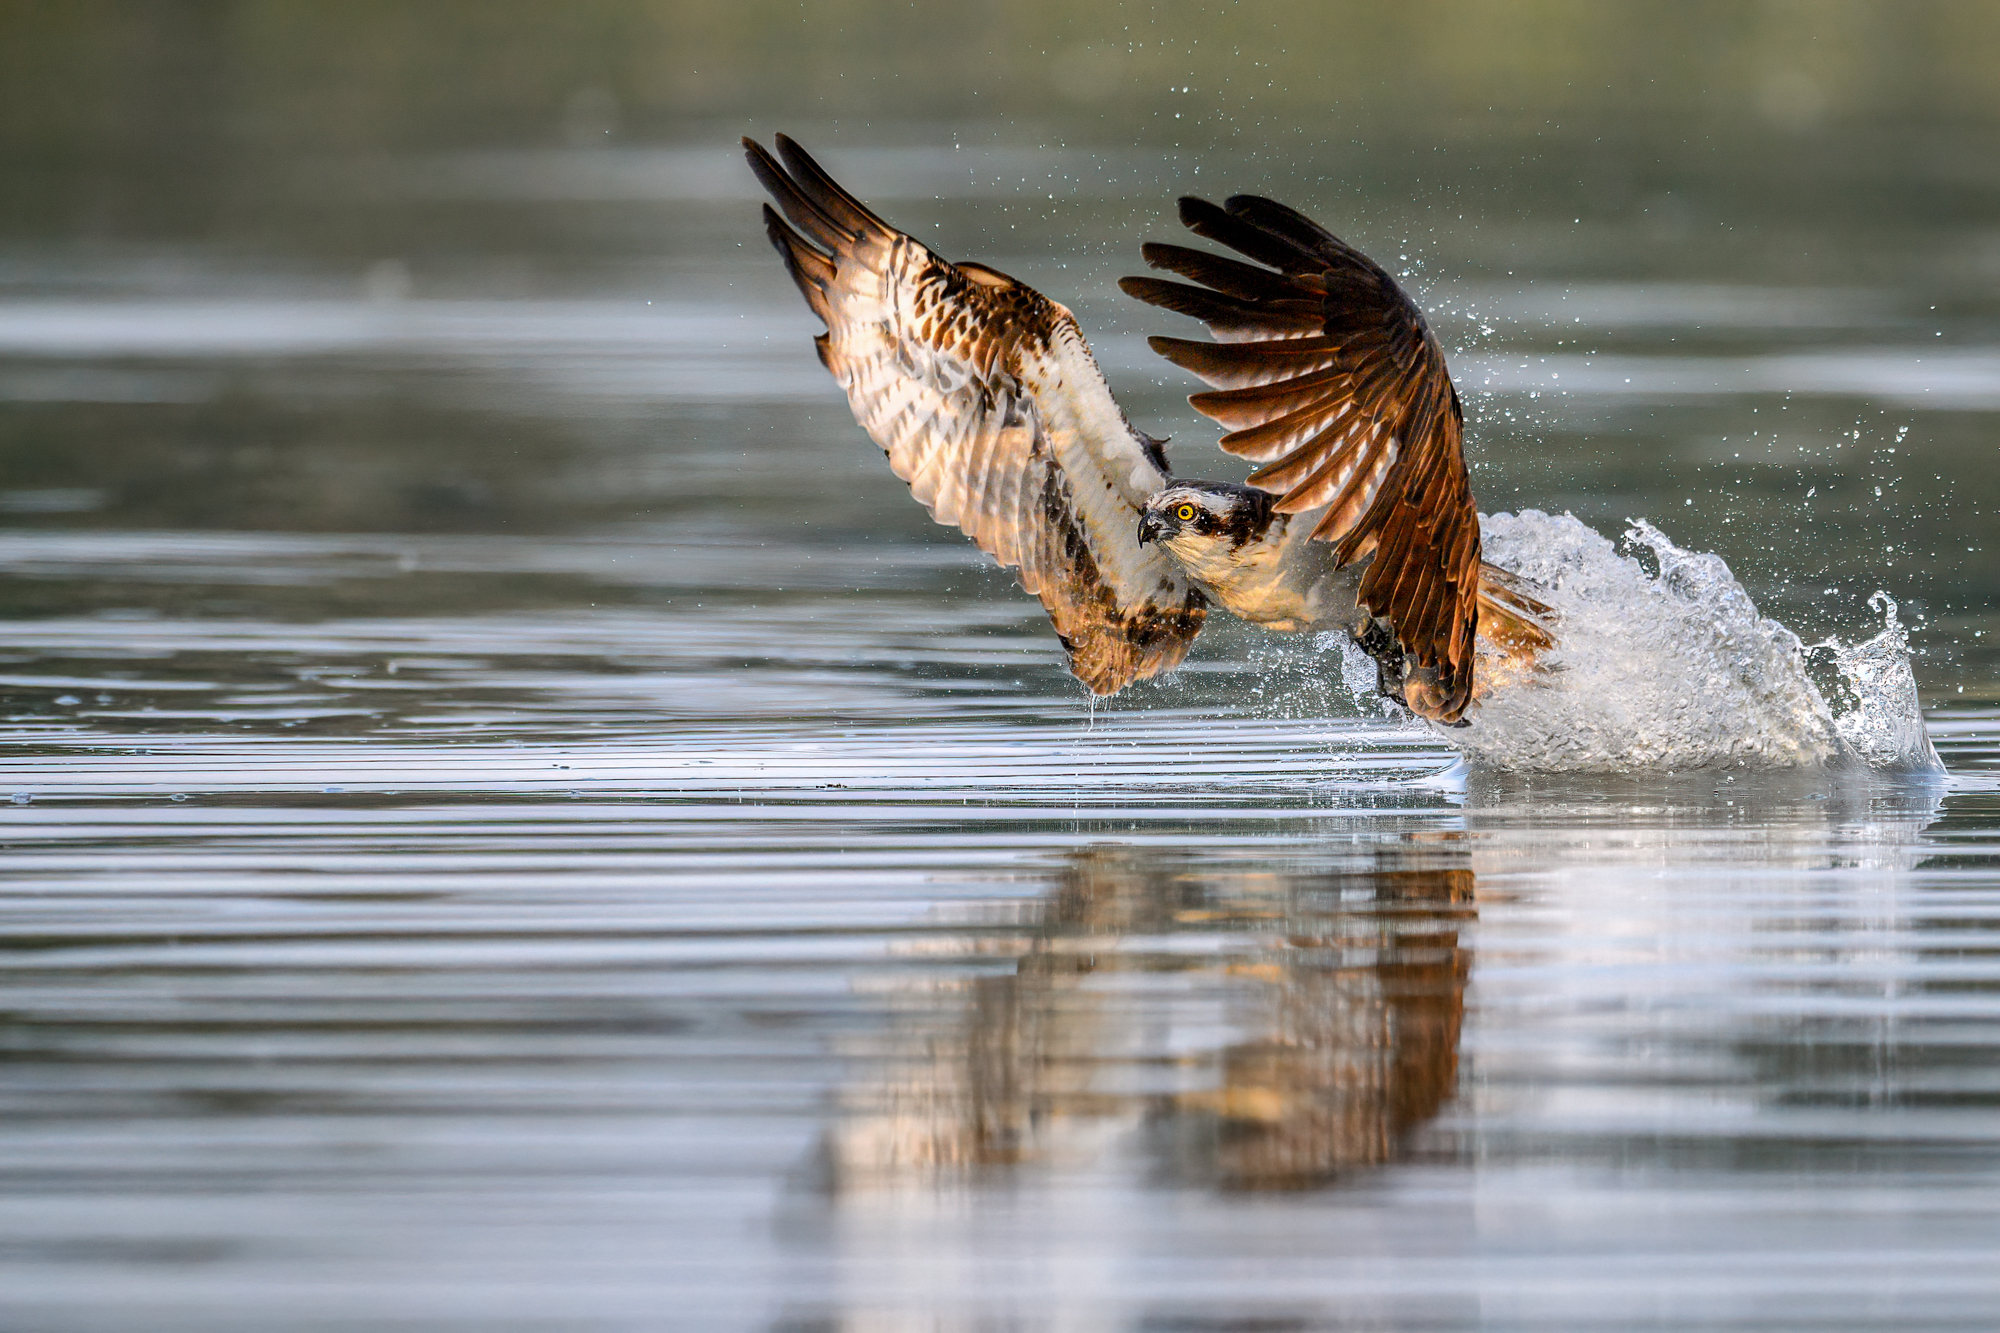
(1666, 663)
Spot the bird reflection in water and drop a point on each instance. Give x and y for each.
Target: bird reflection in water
(1250, 1027)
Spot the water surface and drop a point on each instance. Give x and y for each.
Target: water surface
(518, 823)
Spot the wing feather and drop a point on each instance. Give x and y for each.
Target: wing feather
(1281, 437)
(1248, 364)
(1230, 318)
(1241, 408)
(1231, 277)
(985, 397)
(1326, 373)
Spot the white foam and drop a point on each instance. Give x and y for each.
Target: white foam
(1676, 669)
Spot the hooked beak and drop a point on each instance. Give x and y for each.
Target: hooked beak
(1149, 528)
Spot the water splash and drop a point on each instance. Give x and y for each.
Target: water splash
(1358, 672)
(1664, 662)
(1877, 714)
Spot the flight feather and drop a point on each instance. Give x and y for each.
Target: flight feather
(988, 403)
(1326, 374)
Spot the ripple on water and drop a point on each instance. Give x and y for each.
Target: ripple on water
(831, 964)
(779, 1025)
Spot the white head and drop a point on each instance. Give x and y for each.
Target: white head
(1205, 523)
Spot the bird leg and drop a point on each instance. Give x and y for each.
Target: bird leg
(1392, 666)
(1379, 641)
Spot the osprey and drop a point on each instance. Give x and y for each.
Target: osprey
(985, 397)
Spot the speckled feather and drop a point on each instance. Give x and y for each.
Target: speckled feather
(985, 397)
(1328, 375)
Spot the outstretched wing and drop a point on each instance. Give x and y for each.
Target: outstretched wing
(985, 397)
(1328, 376)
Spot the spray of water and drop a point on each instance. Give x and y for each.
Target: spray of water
(1665, 663)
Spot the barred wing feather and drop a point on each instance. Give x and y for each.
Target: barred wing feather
(1327, 375)
(984, 396)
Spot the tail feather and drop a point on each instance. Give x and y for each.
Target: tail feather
(1510, 615)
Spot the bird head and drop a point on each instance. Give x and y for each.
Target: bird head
(1192, 517)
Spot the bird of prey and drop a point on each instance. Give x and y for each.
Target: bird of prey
(985, 397)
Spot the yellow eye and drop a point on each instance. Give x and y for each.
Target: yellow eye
(1184, 513)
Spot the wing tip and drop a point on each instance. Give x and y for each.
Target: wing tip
(828, 195)
(1236, 205)
(810, 269)
(1183, 352)
(1192, 208)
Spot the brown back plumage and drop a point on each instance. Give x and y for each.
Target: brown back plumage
(1327, 374)
(985, 397)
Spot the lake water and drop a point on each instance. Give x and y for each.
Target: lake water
(518, 823)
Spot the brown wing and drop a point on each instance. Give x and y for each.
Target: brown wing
(986, 399)
(1328, 376)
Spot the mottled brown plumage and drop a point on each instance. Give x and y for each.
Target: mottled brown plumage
(1328, 375)
(984, 395)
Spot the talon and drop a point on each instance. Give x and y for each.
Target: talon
(1375, 638)
(1378, 641)
(1389, 680)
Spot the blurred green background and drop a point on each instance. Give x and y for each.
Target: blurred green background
(185, 117)
(1810, 191)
